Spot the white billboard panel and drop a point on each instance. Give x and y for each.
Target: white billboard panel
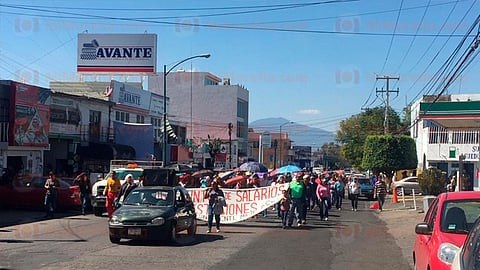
(117, 53)
(127, 95)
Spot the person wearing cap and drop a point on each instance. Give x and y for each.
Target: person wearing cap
(126, 188)
(111, 191)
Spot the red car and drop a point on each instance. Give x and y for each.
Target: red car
(31, 194)
(444, 229)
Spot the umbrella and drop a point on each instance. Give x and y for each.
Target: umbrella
(226, 175)
(253, 166)
(202, 173)
(289, 169)
(234, 180)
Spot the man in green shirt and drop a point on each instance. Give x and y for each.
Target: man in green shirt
(296, 193)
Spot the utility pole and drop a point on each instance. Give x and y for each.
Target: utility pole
(387, 96)
(230, 128)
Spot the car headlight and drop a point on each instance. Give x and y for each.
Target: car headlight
(115, 220)
(158, 221)
(446, 252)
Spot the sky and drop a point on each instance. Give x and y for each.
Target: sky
(312, 62)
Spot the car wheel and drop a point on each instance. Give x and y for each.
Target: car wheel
(192, 230)
(114, 239)
(399, 191)
(97, 211)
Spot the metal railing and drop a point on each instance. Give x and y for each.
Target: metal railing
(440, 135)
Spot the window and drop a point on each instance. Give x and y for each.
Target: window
(140, 119)
(122, 116)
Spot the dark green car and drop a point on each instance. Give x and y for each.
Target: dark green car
(154, 213)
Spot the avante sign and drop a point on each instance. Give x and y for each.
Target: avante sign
(117, 53)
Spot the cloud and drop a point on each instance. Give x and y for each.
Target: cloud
(309, 111)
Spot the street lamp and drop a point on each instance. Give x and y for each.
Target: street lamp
(280, 154)
(165, 73)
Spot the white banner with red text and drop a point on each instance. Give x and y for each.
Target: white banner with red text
(241, 203)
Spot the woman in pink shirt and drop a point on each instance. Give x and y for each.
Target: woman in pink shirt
(323, 195)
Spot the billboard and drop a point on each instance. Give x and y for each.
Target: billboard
(30, 117)
(138, 136)
(130, 96)
(117, 53)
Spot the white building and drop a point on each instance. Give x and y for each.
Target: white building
(444, 131)
(207, 106)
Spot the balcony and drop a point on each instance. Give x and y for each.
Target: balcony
(440, 135)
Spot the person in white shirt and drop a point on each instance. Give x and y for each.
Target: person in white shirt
(354, 192)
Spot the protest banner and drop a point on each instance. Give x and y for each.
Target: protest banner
(241, 203)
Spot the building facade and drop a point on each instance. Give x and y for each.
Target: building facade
(447, 130)
(207, 105)
(276, 154)
(24, 128)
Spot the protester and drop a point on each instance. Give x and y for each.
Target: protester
(280, 181)
(111, 191)
(84, 184)
(216, 202)
(140, 180)
(354, 192)
(331, 186)
(339, 192)
(313, 193)
(323, 195)
(51, 185)
(380, 191)
(284, 208)
(307, 193)
(296, 194)
(126, 188)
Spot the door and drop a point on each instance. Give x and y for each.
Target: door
(423, 242)
(182, 213)
(94, 126)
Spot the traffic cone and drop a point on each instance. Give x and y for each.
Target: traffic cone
(394, 198)
(374, 205)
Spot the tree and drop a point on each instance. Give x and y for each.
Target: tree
(389, 153)
(333, 150)
(354, 130)
(213, 148)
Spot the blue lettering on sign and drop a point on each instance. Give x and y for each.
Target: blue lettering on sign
(471, 156)
(124, 52)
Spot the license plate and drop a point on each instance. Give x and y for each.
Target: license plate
(134, 231)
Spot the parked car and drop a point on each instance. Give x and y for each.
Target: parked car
(154, 213)
(30, 193)
(444, 229)
(406, 185)
(366, 187)
(468, 258)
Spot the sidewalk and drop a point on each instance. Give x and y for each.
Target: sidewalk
(401, 221)
(11, 217)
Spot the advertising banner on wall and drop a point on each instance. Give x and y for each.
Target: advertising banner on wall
(65, 116)
(29, 120)
(156, 105)
(138, 136)
(130, 96)
(241, 203)
(117, 53)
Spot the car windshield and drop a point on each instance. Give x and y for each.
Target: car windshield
(150, 197)
(364, 181)
(121, 173)
(459, 216)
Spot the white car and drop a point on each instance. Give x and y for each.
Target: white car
(407, 185)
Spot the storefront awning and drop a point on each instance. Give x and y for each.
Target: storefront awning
(454, 114)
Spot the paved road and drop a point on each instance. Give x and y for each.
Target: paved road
(349, 240)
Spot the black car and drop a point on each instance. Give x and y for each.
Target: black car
(154, 213)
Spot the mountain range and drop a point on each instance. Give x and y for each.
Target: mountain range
(301, 135)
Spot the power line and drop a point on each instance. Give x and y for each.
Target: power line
(393, 36)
